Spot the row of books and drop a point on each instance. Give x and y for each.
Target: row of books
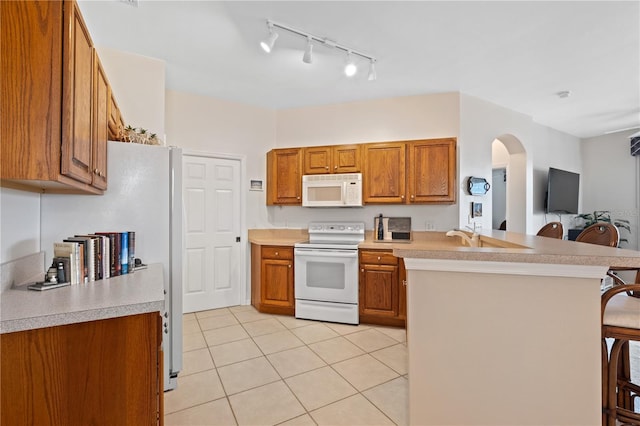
(92, 257)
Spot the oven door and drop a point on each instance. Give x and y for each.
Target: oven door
(329, 275)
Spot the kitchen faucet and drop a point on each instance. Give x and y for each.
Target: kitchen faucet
(473, 241)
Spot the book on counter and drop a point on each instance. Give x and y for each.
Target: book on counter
(71, 251)
(97, 256)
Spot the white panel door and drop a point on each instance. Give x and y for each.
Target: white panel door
(211, 193)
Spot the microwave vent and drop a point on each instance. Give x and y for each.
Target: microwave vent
(329, 177)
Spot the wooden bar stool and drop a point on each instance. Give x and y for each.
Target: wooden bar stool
(620, 321)
(551, 230)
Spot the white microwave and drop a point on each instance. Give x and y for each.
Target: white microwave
(334, 190)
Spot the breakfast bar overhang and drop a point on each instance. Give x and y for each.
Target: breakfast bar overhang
(508, 332)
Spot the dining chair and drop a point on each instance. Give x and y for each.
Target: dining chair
(551, 230)
(601, 233)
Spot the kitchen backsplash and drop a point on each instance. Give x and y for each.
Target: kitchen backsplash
(23, 270)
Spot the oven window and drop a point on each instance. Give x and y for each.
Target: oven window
(325, 275)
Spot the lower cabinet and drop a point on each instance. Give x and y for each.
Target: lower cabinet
(272, 279)
(382, 288)
(98, 372)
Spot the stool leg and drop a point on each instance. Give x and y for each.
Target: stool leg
(605, 382)
(612, 398)
(624, 373)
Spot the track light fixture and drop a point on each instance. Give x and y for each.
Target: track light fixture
(306, 58)
(350, 67)
(372, 71)
(267, 45)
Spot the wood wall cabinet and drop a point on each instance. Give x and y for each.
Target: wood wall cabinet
(382, 288)
(272, 288)
(332, 159)
(384, 176)
(97, 372)
(48, 84)
(284, 177)
(432, 171)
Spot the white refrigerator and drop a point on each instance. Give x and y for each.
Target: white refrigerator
(144, 195)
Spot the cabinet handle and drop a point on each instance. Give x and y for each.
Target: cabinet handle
(326, 167)
(335, 167)
(298, 198)
(289, 265)
(402, 197)
(404, 283)
(412, 197)
(362, 270)
(378, 257)
(95, 171)
(276, 253)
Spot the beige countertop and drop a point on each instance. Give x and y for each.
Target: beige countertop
(277, 237)
(131, 294)
(497, 246)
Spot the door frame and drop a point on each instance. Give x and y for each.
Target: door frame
(244, 299)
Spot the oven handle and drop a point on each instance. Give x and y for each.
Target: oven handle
(325, 252)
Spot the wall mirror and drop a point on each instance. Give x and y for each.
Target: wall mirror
(477, 186)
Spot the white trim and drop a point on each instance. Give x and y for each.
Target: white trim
(507, 268)
(244, 297)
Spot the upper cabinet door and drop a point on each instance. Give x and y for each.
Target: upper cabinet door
(384, 173)
(77, 65)
(317, 160)
(284, 176)
(432, 171)
(101, 98)
(346, 159)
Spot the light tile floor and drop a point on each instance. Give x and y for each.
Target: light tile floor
(247, 368)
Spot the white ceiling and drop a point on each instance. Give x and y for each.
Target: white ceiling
(513, 53)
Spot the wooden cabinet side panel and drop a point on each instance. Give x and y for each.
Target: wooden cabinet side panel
(77, 95)
(256, 277)
(98, 372)
(384, 173)
(31, 88)
(102, 96)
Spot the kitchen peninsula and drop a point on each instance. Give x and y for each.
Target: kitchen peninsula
(505, 333)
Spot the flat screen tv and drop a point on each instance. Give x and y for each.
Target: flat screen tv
(563, 188)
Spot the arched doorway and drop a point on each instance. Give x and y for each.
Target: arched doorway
(509, 154)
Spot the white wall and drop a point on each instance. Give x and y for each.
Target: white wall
(19, 224)
(561, 151)
(480, 123)
(138, 84)
(392, 119)
(206, 124)
(610, 180)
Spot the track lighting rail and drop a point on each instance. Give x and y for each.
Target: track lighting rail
(323, 40)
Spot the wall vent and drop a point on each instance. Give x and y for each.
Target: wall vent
(635, 144)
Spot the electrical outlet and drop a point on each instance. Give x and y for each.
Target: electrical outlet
(429, 226)
(133, 3)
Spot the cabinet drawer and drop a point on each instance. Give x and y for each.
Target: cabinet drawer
(378, 258)
(277, 252)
